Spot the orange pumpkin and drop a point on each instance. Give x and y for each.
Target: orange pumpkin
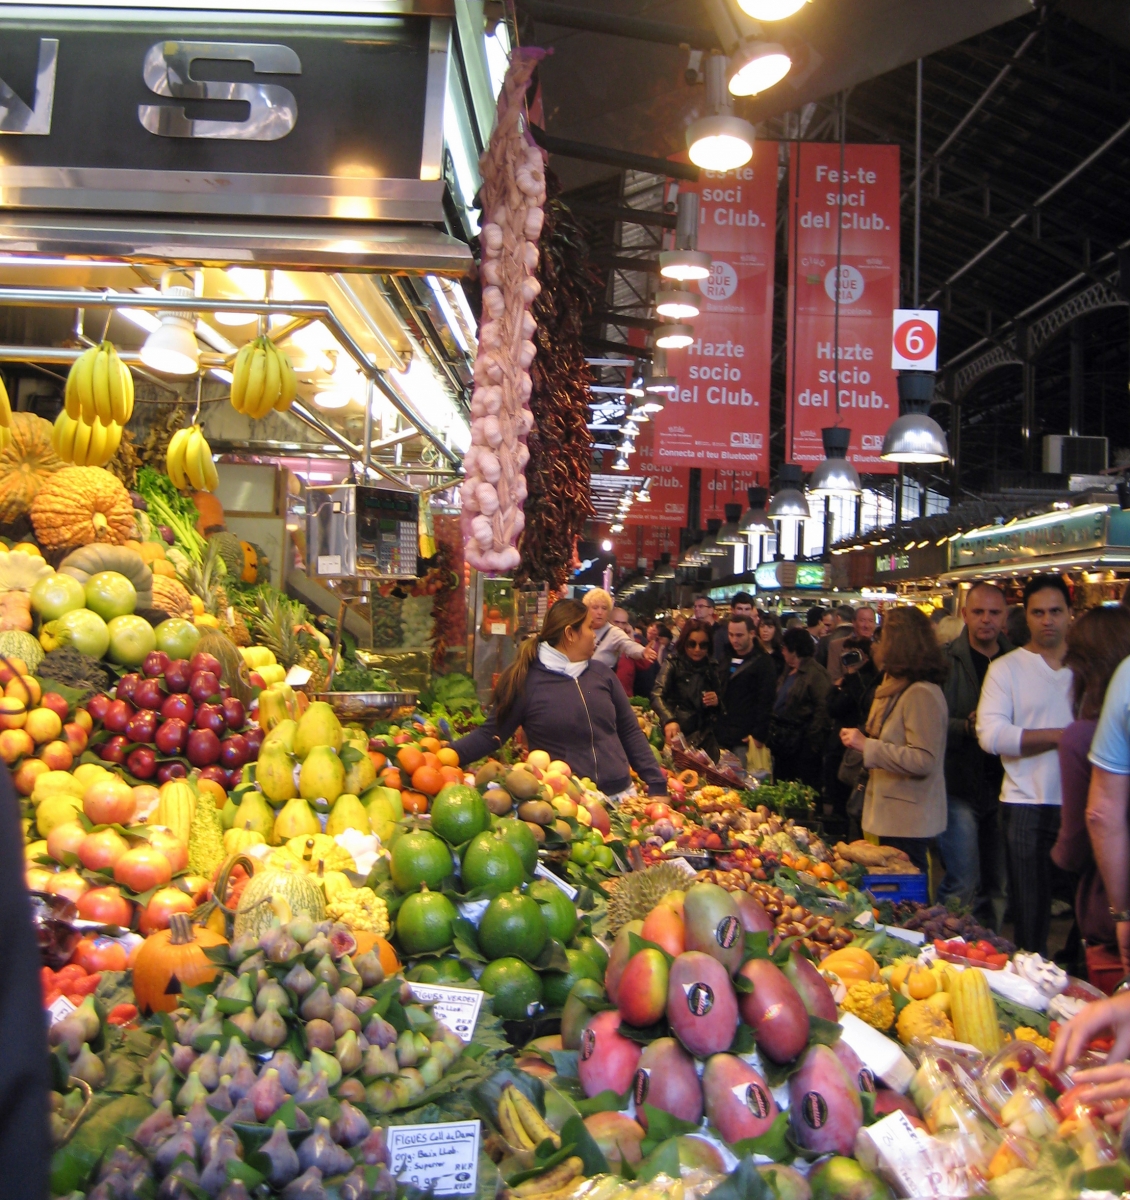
(171, 961)
(250, 563)
(367, 941)
(211, 513)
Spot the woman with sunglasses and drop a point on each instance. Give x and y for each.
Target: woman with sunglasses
(569, 705)
(686, 694)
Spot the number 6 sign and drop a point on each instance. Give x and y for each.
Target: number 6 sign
(914, 346)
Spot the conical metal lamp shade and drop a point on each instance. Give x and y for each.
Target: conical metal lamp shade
(789, 499)
(730, 534)
(756, 520)
(915, 438)
(835, 476)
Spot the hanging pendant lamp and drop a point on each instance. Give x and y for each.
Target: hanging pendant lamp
(835, 476)
(756, 520)
(915, 437)
(789, 499)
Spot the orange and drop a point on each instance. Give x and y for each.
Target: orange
(209, 787)
(388, 957)
(432, 760)
(429, 743)
(378, 760)
(427, 779)
(414, 802)
(391, 778)
(451, 774)
(410, 758)
(448, 757)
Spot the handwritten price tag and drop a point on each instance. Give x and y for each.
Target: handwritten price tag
(443, 1159)
(60, 1009)
(457, 1008)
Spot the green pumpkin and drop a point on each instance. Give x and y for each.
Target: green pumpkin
(299, 889)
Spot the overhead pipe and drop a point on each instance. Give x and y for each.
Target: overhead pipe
(623, 159)
(354, 452)
(79, 298)
(696, 37)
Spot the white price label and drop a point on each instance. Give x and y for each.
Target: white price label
(543, 872)
(498, 628)
(458, 1008)
(329, 564)
(443, 1158)
(60, 1009)
(914, 340)
(473, 910)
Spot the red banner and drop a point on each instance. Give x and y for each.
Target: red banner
(720, 414)
(670, 485)
(867, 201)
(720, 488)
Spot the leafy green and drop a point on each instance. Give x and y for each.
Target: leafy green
(779, 796)
(452, 697)
(353, 677)
(168, 507)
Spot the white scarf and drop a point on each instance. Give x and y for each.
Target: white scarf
(553, 660)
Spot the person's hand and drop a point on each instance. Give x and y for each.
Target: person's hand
(853, 739)
(1072, 1039)
(1106, 1083)
(649, 656)
(671, 731)
(1122, 936)
(710, 699)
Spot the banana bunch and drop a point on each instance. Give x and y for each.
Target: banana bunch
(557, 1184)
(521, 1123)
(188, 461)
(262, 379)
(82, 444)
(99, 387)
(5, 418)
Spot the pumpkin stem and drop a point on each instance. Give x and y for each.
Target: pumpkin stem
(180, 929)
(309, 850)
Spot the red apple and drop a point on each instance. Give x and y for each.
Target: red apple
(205, 662)
(118, 716)
(142, 726)
(100, 851)
(124, 690)
(225, 691)
(204, 686)
(114, 750)
(106, 905)
(155, 663)
(55, 703)
(178, 675)
(148, 694)
(98, 705)
(178, 705)
(171, 770)
(210, 716)
(172, 736)
(170, 846)
(235, 715)
(233, 751)
(254, 737)
(203, 748)
(235, 777)
(142, 763)
(216, 774)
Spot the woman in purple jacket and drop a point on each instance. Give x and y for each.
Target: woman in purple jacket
(569, 705)
(1096, 644)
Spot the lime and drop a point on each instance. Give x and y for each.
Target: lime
(458, 813)
(559, 911)
(558, 984)
(594, 836)
(423, 923)
(582, 852)
(491, 863)
(593, 950)
(439, 970)
(420, 857)
(602, 857)
(515, 987)
(513, 924)
(518, 834)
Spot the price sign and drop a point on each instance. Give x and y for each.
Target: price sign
(457, 1008)
(60, 1009)
(914, 344)
(543, 872)
(442, 1159)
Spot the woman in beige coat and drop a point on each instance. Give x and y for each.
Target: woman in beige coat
(904, 743)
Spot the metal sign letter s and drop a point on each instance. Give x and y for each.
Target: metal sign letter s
(168, 72)
(15, 116)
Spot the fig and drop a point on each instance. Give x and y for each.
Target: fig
(154, 1126)
(236, 1190)
(282, 1157)
(242, 1113)
(346, 997)
(242, 947)
(284, 950)
(327, 1065)
(253, 965)
(352, 1090)
(379, 1063)
(363, 1005)
(244, 1021)
(379, 1032)
(325, 970)
(349, 977)
(190, 1092)
(186, 1030)
(207, 1066)
(317, 947)
(368, 966)
(287, 1066)
(181, 1142)
(177, 1185)
(374, 1149)
(342, 942)
(316, 1089)
(308, 1186)
(267, 1094)
(320, 1034)
(318, 1004)
(321, 1151)
(221, 1099)
(348, 1052)
(301, 929)
(406, 1049)
(69, 1033)
(200, 1119)
(343, 1020)
(702, 1008)
(270, 1029)
(241, 1081)
(300, 980)
(155, 1069)
(182, 1058)
(354, 1186)
(89, 1068)
(236, 987)
(271, 991)
(381, 1096)
(222, 1146)
(163, 1089)
(351, 1126)
(208, 1032)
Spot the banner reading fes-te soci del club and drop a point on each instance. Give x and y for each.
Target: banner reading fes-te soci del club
(868, 291)
(720, 414)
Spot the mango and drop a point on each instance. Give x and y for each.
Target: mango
(665, 927)
(576, 1013)
(347, 813)
(608, 1060)
(739, 1103)
(811, 987)
(666, 1078)
(319, 727)
(786, 1183)
(825, 1111)
(702, 1008)
(752, 913)
(618, 1137)
(274, 773)
(675, 899)
(618, 959)
(713, 924)
(843, 1178)
(360, 774)
(697, 1154)
(322, 776)
(773, 1010)
(643, 988)
(861, 1076)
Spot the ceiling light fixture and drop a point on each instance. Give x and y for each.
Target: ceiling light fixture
(756, 521)
(663, 569)
(915, 437)
(771, 10)
(757, 66)
(730, 534)
(621, 463)
(789, 499)
(171, 348)
(686, 261)
(710, 545)
(835, 476)
(674, 337)
(677, 304)
(721, 141)
(253, 285)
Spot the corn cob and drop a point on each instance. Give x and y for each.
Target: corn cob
(974, 1012)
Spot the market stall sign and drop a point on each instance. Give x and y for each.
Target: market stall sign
(911, 564)
(1033, 537)
(332, 117)
(789, 575)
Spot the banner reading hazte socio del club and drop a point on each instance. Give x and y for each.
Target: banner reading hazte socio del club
(867, 201)
(720, 413)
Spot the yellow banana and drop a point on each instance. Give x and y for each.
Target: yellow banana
(534, 1123)
(191, 462)
(272, 382)
(66, 450)
(82, 442)
(127, 390)
(551, 1181)
(113, 441)
(5, 407)
(257, 372)
(211, 475)
(174, 458)
(121, 402)
(78, 383)
(96, 455)
(240, 369)
(62, 423)
(5, 437)
(100, 389)
(512, 1128)
(289, 383)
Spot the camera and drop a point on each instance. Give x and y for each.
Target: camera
(851, 658)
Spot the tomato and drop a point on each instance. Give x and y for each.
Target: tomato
(100, 954)
(998, 960)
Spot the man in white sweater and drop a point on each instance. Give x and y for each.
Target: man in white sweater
(1025, 706)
